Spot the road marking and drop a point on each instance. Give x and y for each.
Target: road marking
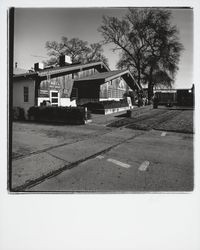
(144, 166)
(119, 163)
(163, 133)
(100, 157)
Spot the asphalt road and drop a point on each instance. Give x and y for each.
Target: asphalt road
(152, 161)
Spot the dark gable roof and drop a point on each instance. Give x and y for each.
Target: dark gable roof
(17, 72)
(101, 76)
(71, 68)
(108, 76)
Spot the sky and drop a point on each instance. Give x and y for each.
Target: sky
(34, 26)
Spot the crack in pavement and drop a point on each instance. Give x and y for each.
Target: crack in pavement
(31, 183)
(56, 146)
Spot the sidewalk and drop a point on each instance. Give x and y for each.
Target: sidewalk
(37, 167)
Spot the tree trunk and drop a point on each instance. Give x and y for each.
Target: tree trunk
(150, 84)
(138, 79)
(150, 90)
(139, 72)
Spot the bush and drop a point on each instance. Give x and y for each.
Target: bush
(69, 115)
(102, 105)
(18, 114)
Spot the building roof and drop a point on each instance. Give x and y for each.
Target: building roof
(19, 71)
(104, 75)
(69, 68)
(110, 75)
(73, 67)
(101, 78)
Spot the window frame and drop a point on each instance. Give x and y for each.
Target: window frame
(26, 93)
(53, 98)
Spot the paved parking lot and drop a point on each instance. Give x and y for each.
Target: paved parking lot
(34, 137)
(141, 154)
(150, 162)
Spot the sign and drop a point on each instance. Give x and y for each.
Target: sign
(54, 85)
(129, 101)
(43, 92)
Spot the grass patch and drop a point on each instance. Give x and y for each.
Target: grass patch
(182, 122)
(159, 119)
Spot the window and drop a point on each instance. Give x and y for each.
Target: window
(25, 94)
(54, 98)
(54, 94)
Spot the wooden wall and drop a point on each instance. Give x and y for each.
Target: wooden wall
(62, 82)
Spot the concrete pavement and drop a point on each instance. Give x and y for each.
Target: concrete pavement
(151, 161)
(42, 151)
(29, 138)
(38, 166)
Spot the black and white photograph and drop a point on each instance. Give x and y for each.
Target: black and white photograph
(102, 100)
(99, 131)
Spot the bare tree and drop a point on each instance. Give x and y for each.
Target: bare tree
(78, 50)
(149, 44)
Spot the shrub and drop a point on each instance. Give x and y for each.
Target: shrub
(102, 105)
(69, 115)
(18, 114)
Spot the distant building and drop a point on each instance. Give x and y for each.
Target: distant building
(179, 97)
(70, 84)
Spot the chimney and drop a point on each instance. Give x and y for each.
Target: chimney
(38, 66)
(15, 64)
(64, 60)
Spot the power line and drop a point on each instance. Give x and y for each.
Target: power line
(39, 56)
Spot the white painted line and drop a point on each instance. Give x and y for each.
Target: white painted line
(163, 133)
(119, 163)
(144, 166)
(100, 157)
